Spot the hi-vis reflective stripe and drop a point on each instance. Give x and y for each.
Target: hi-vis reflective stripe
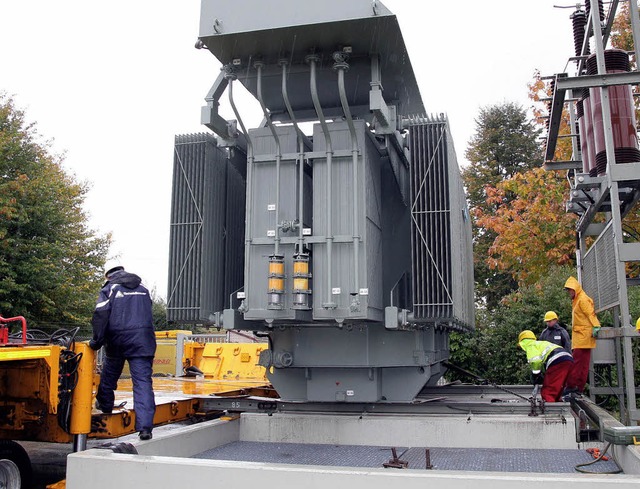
(540, 357)
(23, 354)
(556, 357)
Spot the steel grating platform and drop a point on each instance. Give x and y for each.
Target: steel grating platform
(470, 459)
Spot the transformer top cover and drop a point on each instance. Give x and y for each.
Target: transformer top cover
(241, 32)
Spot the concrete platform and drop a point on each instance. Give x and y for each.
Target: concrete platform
(474, 459)
(167, 460)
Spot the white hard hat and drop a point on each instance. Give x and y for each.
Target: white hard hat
(112, 267)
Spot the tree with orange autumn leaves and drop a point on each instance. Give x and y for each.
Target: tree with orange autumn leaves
(532, 230)
(531, 238)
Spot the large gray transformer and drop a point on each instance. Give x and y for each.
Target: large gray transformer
(357, 239)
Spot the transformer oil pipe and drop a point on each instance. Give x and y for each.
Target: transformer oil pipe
(285, 98)
(276, 261)
(312, 60)
(259, 65)
(231, 76)
(341, 66)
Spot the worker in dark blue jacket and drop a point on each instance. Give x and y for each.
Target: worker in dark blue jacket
(123, 323)
(554, 333)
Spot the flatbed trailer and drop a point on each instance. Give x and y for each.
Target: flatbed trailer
(47, 392)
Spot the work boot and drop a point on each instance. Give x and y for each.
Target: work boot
(145, 435)
(571, 396)
(104, 410)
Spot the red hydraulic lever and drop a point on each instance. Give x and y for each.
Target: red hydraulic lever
(4, 332)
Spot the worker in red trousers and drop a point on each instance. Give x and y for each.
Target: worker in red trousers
(550, 365)
(584, 331)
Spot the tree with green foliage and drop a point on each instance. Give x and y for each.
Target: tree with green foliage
(532, 230)
(491, 350)
(504, 144)
(159, 312)
(51, 262)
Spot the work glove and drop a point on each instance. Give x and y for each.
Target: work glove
(537, 378)
(596, 330)
(93, 344)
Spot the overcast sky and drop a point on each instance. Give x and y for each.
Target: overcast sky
(111, 83)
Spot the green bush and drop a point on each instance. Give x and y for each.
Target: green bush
(491, 351)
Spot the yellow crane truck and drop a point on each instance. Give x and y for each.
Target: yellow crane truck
(47, 385)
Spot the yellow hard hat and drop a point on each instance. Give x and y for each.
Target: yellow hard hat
(549, 316)
(526, 335)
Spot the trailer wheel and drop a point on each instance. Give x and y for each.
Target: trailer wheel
(9, 475)
(10, 450)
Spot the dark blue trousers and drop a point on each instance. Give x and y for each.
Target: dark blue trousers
(143, 398)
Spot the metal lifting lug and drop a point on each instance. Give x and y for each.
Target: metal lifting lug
(340, 58)
(229, 72)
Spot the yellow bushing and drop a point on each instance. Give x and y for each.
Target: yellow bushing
(275, 288)
(300, 283)
(276, 274)
(301, 287)
(276, 266)
(300, 267)
(276, 284)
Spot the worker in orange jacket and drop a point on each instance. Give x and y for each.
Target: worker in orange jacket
(585, 327)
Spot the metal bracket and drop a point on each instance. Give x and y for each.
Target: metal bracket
(395, 318)
(627, 331)
(209, 113)
(385, 117)
(395, 462)
(233, 319)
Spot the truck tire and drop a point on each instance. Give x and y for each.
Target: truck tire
(10, 450)
(9, 475)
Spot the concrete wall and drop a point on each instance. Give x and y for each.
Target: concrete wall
(100, 469)
(627, 457)
(428, 431)
(162, 462)
(187, 441)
